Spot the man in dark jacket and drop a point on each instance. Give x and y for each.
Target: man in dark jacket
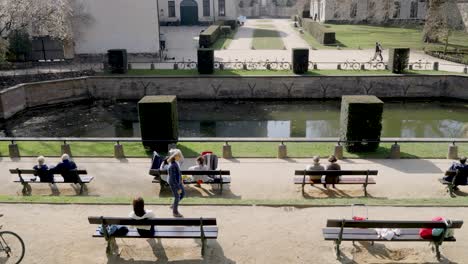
(462, 176)
(67, 168)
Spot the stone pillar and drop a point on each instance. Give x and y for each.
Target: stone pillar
(129, 66)
(13, 150)
(395, 151)
(363, 67)
(282, 151)
(338, 151)
(465, 70)
(452, 152)
(119, 151)
(227, 151)
(435, 66)
(315, 66)
(66, 149)
(338, 67)
(410, 67)
(152, 66)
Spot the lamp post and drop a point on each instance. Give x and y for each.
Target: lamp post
(214, 13)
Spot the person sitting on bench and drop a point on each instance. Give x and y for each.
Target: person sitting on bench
(462, 168)
(139, 213)
(315, 167)
(200, 167)
(332, 166)
(42, 170)
(67, 168)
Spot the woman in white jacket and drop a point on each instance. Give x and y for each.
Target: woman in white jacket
(139, 213)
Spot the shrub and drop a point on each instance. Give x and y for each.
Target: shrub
(322, 34)
(231, 23)
(361, 120)
(226, 30)
(300, 60)
(20, 46)
(209, 36)
(398, 59)
(205, 61)
(158, 121)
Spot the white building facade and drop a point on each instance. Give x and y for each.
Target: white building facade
(195, 12)
(117, 24)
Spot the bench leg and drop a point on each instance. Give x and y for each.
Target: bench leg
(303, 189)
(337, 250)
(26, 189)
(221, 188)
(203, 247)
(365, 189)
(436, 249)
(112, 247)
(450, 189)
(82, 187)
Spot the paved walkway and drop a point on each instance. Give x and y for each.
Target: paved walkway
(243, 38)
(56, 234)
(251, 179)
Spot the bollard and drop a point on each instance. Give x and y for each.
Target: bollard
(129, 66)
(282, 151)
(315, 66)
(13, 150)
(386, 67)
(339, 151)
(395, 151)
(452, 151)
(338, 67)
(227, 151)
(465, 71)
(119, 151)
(435, 66)
(152, 66)
(410, 67)
(66, 149)
(363, 67)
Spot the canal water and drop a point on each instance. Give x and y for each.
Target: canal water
(312, 119)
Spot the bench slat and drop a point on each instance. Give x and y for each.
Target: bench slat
(364, 237)
(57, 179)
(343, 180)
(31, 171)
(192, 172)
(391, 224)
(155, 221)
(458, 183)
(133, 233)
(336, 173)
(371, 231)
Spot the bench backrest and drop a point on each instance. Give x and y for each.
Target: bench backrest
(336, 172)
(192, 172)
(31, 171)
(389, 224)
(455, 172)
(154, 221)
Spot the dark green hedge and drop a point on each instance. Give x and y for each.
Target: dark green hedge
(209, 36)
(322, 34)
(226, 30)
(158, 121)
(300, 59)
(361, 120)
(398, 59)
(205, 61)
(231, 23)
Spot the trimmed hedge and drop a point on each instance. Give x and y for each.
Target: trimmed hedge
(322, 34)
(226, 30)
(209, 36)
(231, 23)
(398, 59)
(300, 59)
(205, 61)
(158, 121)
(361, 119)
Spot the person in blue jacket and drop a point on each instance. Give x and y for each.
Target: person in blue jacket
(175, 181)
(462, 167)
(67, 168)
(42, 170)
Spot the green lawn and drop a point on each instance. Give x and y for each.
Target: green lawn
(141, 72)
(365, 36)
(239, 150)
(224, 41)
(265, 38)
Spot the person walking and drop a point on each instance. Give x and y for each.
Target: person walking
(175, 181)
(378, 51)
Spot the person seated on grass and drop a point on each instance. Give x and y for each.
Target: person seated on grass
(67, 168)
(315, 167)
(200, 167)
(42, 170)
(139, 213)
(332, 166)
(462, 167)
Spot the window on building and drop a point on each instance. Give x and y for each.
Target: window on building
(414, 9)
(171, 5)
(222, 7)
(353, 10)
(396, 10)
(206, 7)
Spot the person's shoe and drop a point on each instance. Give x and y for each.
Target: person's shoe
(172, 206)
(178, 215)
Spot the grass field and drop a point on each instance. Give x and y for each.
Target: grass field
(267, 39)
(239, 150)
(364, 37)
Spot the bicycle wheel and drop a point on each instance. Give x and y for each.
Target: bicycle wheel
(11, 248)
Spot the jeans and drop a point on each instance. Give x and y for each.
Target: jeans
(177, 197)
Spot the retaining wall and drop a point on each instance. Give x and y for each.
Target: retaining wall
(20, 97)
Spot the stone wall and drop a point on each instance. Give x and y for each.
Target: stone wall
(18, 98)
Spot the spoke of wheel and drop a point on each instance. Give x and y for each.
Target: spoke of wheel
(13, 248)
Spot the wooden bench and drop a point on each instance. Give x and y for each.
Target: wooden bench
(450, 185)
(353, 177)
(27, 180)
(351, 230)
(181, 228)
(222, 177)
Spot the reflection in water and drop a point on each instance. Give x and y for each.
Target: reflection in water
(310, 119)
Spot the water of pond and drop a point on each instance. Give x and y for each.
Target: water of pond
(310, 119)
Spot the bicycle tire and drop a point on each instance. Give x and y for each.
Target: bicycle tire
(3, 242)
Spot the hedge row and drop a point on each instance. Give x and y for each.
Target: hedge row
(322, 34)
(209, 36)
(231, 23)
